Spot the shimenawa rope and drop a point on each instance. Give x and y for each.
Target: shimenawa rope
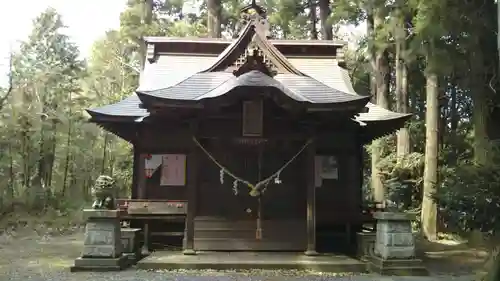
(255, 190)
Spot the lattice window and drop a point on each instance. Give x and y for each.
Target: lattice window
(249, 52)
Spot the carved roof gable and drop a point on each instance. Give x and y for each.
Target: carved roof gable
(254, 35)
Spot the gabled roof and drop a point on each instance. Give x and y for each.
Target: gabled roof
(249, 34)
(213, 86)
(215, 83)
(129, 108)
(170, 70)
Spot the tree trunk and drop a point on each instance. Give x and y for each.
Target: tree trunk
(26, 150)
(429, 206)
(313, 19)
(68, 154)
(494, 271)
(104, 153)
(403, 139)
(324, 14)
(12, 179)
(381, 73)
(453, 123)
(498, 35)
(37, 188)
(480, 114)
(51, 153)
(147, 19)
(214, 18)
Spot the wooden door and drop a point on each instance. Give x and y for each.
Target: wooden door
(286, 198)
(246, 163)
(220, 198)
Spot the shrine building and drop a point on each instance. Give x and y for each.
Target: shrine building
(249, 144)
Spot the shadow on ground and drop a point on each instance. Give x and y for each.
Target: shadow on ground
(455, 259)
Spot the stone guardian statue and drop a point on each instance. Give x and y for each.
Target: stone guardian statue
(103, 192)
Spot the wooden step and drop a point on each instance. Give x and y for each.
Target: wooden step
(273, 233)
(167, 233)
(224, 244)
(217, 222)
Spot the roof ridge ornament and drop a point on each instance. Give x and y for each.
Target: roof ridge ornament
(254, 8)
(255, 15)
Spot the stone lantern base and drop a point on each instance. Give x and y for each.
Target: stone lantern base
(394, 252)
(102, 248)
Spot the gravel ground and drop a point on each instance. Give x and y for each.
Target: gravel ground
(49, 258)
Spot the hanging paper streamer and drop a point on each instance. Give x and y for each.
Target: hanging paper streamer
(152, 163)
(235, 187)
(277, 179)
(221, 175)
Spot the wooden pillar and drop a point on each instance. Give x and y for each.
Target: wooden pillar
(141, 176)
(141, 187)
(135, 174)
(311, 200)
(192, 186)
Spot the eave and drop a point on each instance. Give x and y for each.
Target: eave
(242, 92)
(124, 130)
(314, 95)
(380, 128)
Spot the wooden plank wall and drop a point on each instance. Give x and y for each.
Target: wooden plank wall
(221, 216)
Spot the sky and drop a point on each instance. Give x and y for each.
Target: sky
(86, 21)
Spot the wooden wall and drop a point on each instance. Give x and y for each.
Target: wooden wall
(339, 200)
(222, 220)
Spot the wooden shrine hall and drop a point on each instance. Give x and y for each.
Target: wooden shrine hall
(250, 144)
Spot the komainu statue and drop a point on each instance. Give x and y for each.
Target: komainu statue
(104, 192)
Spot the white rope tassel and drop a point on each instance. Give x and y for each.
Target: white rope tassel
(235, 187)
(221, 176)
(255, 190)
(277, 179)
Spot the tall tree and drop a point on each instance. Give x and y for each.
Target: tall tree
(147, 19)
(324, 17)
(380, 74)
(401, 87)
(313, 18)
(430, 32)
(429, 206)
(10, 85)
(49, 64)
(214, 18)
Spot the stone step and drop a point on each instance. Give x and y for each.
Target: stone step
(251, 260)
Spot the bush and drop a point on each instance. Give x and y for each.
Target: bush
(469, 197)
(403, 179)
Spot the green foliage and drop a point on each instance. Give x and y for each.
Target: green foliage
(469, 196)
(51, 154)
(403, 177)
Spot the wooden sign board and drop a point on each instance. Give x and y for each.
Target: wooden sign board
(173, 170)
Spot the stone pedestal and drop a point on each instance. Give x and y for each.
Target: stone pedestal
(394, 252)
(102, 247)
(366, 244)
(130, 242)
